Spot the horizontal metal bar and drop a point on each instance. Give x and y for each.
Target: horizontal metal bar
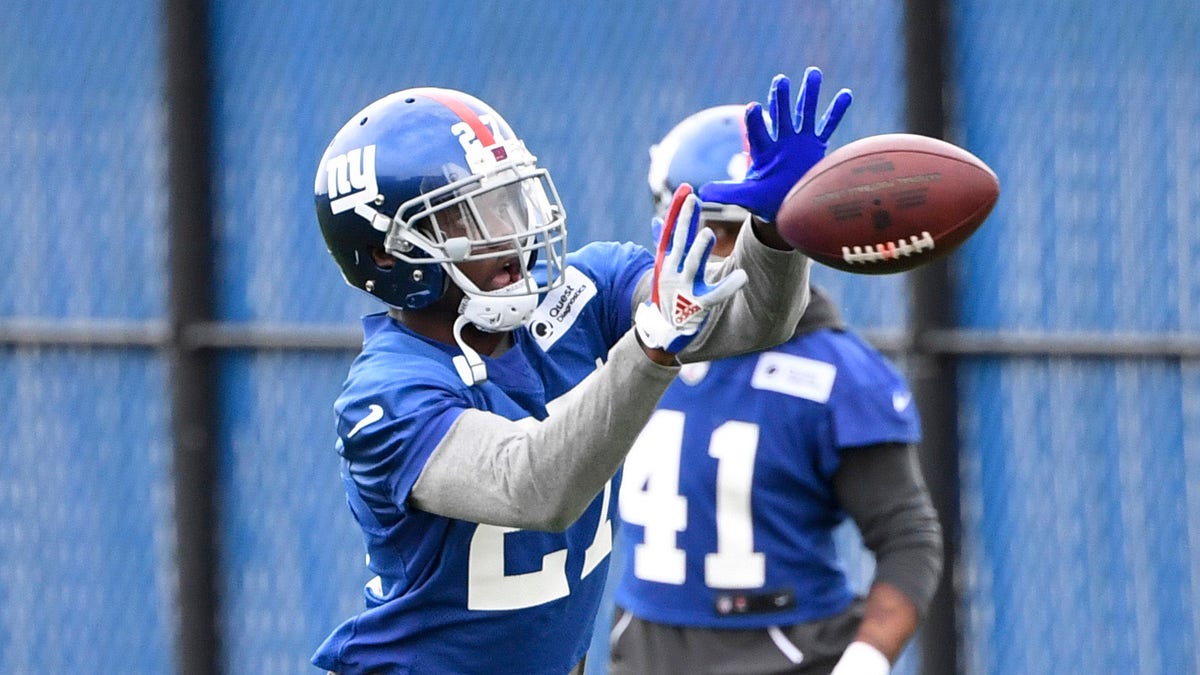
(1080, 344)
(893, 342)
(156, 334)
(220, 335)
(83, 333)
(279, 336)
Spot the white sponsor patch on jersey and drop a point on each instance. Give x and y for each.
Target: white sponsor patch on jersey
(560, 308)
(794, 375)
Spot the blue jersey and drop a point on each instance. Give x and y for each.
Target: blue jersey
(727, 503)
(453, 596)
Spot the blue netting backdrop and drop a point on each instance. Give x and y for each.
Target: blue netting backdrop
(82, 123)
(293, 558)
(1080, 476)
(86, 534)
(86, 571)
(1080, 512)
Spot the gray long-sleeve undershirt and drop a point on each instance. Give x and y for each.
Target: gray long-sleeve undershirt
(882, 489)
(543, 474)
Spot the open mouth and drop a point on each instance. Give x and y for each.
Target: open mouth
(509, 273)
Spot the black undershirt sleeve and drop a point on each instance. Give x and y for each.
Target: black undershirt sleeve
(882, 489)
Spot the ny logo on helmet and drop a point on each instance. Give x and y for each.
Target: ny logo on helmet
(352, 179)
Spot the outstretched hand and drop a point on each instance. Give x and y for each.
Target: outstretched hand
(782, 150)
(680, 298)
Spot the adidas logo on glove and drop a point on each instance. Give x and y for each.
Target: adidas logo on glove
(685, 309)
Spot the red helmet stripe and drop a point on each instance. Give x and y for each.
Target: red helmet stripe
(482, 132)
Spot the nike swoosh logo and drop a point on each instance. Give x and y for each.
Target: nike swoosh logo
(900, 400)
(372, 417)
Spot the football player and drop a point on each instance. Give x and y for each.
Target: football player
(731, 494)
(481, 426)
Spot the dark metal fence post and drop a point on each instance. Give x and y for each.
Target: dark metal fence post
(192, 376)
(931, 293)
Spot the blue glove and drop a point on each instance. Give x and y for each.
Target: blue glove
(680, 298)
(782, 155)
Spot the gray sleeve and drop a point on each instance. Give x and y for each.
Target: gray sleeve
(542, 475)
(881, 487)
(762, 314)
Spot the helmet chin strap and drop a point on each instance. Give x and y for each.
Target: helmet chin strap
(470, 366)
(498, 313)
(490, 313)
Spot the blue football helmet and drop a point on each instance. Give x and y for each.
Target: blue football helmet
(436, 177)
(706, 146)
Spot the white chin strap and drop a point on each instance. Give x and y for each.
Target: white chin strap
(470, 366)
(490, 313)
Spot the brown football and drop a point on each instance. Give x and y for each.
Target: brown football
(888, 203)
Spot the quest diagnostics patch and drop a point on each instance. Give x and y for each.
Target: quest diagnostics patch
(560, 308)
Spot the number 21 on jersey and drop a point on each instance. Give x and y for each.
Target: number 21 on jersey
(490, 588)
(649, 497)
